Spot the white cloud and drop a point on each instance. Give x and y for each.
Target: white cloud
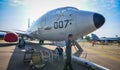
(109, 4)
(17, 2)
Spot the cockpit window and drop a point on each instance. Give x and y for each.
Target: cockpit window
(61, 10)
(71, 8)
(58, 11)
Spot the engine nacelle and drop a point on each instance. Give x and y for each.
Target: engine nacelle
(11, 37)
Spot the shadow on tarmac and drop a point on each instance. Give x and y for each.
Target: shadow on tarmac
(7, 44)
(16, 61)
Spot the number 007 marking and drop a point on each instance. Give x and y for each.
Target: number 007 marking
(61, 24)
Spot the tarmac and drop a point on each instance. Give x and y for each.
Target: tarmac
(104, 55)
(11, 57)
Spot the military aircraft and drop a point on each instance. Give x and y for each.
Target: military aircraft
(57, 24)
(105, 40)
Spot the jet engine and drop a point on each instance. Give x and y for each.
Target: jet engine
(11, 37)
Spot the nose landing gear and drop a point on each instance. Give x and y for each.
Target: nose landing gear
(59, 50)
(41, 41)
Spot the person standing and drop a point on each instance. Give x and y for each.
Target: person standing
(93, 43)
(21, 43)
(68, 63)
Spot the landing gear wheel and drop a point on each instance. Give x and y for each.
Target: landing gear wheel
(41, 41)
(60, 51)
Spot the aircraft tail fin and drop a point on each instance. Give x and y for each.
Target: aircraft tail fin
(28, 22)
(2, 35)
(94, 37)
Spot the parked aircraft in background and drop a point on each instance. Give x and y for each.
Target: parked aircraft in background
(105, 40)
(57, 24)
(2, 36)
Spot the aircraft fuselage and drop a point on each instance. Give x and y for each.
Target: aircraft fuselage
(59, 23)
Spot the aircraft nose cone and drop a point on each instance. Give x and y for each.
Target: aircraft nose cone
(98, 20)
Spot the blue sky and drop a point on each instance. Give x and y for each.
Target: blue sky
(14, 14)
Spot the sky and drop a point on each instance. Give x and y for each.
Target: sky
(14, 14)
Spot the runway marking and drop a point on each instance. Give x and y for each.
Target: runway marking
(104, 55)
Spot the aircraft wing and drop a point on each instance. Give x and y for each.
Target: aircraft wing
(111, 39)
(18, 32)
